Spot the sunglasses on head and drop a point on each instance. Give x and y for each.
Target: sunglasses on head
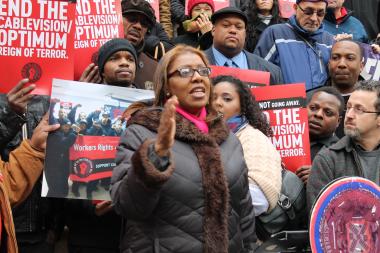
(310, 11)
(135, 18)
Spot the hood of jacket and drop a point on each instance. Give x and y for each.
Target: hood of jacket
(306, 34)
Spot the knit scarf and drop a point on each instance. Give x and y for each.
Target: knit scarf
(199, 122)
(236, 123)
(265, 19)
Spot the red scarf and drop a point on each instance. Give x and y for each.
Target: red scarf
(199, 122)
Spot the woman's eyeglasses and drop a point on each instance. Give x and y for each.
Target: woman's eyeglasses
(189, 72)
(311, 11)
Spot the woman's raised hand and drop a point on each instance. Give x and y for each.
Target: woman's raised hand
(166, 130)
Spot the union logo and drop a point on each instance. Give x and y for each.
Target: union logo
(32, 71)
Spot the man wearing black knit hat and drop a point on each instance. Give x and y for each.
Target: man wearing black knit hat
(117, 63)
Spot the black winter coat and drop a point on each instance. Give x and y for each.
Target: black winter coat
(200, 203)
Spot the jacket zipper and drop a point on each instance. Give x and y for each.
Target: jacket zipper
(320, 61)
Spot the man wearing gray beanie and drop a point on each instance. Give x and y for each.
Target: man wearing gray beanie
(117, 63)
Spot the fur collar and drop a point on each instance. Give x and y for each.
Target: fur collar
(186, 131)
(214, 181)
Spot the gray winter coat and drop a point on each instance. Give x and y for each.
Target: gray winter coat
(200, 203)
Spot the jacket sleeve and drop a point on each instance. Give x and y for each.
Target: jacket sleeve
(165, 17)
(205, 41)
(152, 42)
(247, 222)
(10, 125)
(136, 182)
(22, 171)
(266, 46)
(263, 162)
(72, 113)
(320, 175)
(276, 76)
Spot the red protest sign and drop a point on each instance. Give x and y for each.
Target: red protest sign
(249, 76)
(36, 42)
(92, 158)
(96, 23)
(285, 107)
(156, 7)
(219, 4)
(286, 8)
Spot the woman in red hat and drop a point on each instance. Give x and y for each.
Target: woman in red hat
(198, 27)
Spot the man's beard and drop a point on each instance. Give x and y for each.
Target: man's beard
(120, 83)
(353, 133)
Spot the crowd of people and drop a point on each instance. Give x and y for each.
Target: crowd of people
(195, 166)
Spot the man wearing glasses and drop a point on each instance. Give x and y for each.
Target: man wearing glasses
(358, 153)
(301, 47)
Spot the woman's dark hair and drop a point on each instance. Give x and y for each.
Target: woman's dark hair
(252, 12)
(248, 104)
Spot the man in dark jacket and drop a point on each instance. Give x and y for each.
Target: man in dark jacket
(229, 34)
(117, 63)
(356, 154)
(138, 19)
(96, 227)
(324, 108)
(345, 66)
(339, 20)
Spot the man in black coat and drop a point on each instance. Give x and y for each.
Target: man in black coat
(229, 34)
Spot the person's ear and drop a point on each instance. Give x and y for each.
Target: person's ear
(340, 118)
(213, 30)
(295, 7)
(362, 64)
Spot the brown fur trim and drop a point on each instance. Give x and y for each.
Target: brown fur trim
(215, 184)
(146, 171)
(185, 130)
(215, 220)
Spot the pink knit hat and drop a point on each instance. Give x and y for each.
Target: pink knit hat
(191, 4)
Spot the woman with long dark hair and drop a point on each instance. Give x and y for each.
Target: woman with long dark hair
(261, 14)
(234, 100)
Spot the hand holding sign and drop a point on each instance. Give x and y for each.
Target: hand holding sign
(19, 96)
(103, 207)
(303, 173)
(91, 74)
(40, 133)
